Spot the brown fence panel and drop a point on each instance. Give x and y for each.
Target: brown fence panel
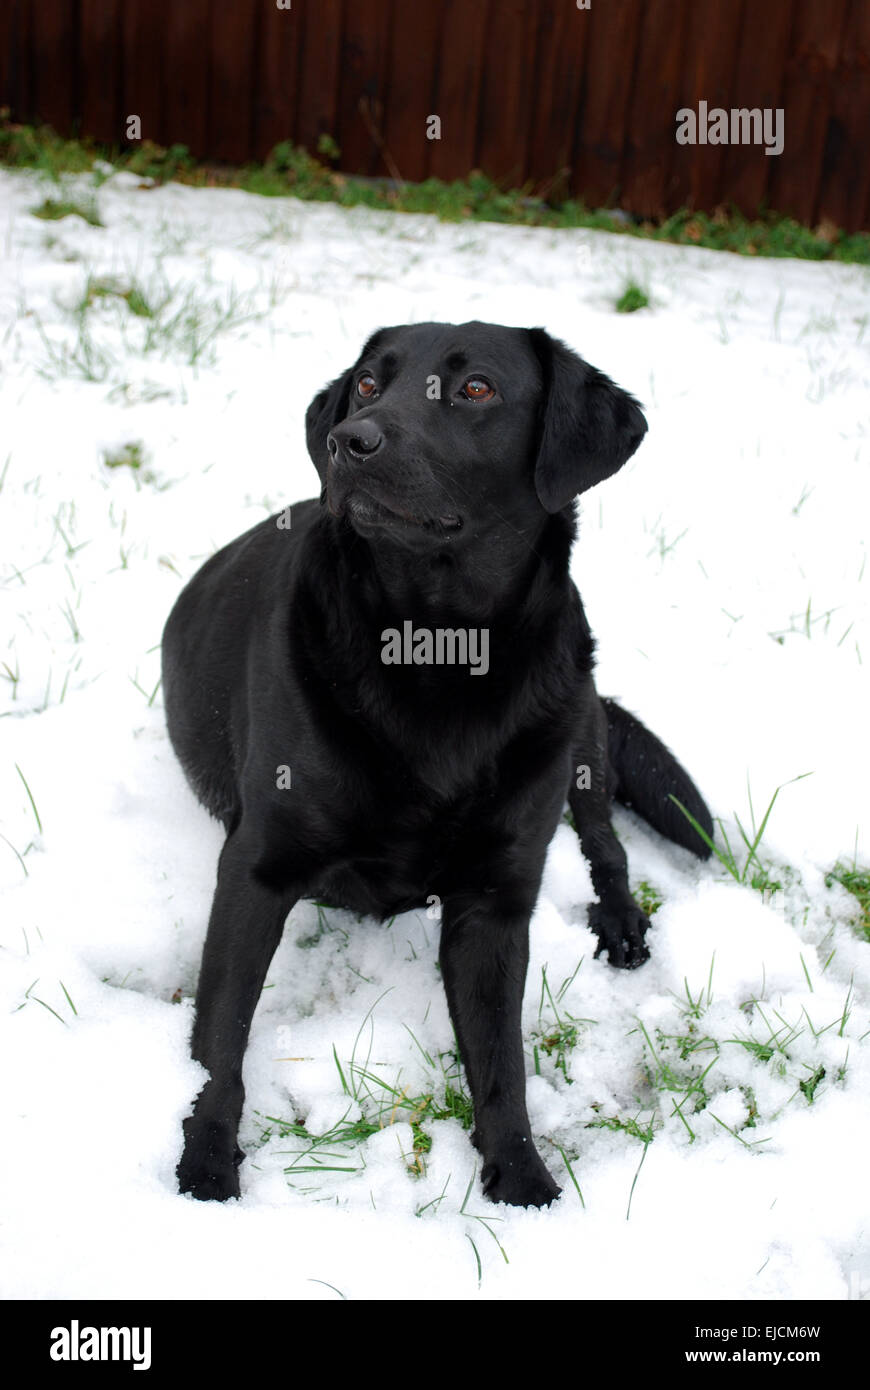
(609, 78)
(100, 70)
(531, 91)
(415, 38)
(279, 43)
(844, 190)
(144, 59)
(54, 62)
(231, 81)
(810, 73)
(465, 42)
(187, 64)
(364, 60)
(562, 46)
(647, 175)
(506, 101)
(319, 73)
(707, 74)
(758, 83)
(13, 51)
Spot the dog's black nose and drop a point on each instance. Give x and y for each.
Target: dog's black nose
(360, 438)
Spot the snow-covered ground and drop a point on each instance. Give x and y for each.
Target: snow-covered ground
(724, 572)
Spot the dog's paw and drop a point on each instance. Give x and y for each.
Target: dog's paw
(620, 927)
(209, 1166)
(521, 1181)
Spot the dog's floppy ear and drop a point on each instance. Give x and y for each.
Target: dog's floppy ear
(328, 407)
(589, 426)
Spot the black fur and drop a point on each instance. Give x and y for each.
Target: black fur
(447, 501)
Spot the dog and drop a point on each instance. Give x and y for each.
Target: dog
(309, 710)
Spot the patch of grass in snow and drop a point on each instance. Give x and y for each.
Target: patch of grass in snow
(663, 545)
(803, 623)
(648, 898)
(30, 798)
(128, 456)
(29, 147)
(857, 882)
(167, 321)
(681, 1061)
(379, 1104)
(85, 359)
(630, 1125)
(678, 1067)
(752, 870)
(190, 324)
(53, 209)
(105, 287)
(151, 161)
(558, 1031)
(291, 171)
(132, 455)
(13, 677)
(632, 299)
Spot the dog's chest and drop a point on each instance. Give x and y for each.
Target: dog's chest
(400, 861)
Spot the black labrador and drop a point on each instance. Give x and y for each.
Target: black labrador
(387, 694)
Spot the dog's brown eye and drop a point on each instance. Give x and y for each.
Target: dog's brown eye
(477, 389)
(366, 386)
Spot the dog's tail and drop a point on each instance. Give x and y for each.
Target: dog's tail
(648, 775)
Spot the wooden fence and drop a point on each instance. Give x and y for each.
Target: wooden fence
(538, 91)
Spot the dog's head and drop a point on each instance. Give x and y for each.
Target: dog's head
(438, 428)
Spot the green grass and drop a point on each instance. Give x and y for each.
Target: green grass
(53, 209)
(104, 288)
(382, 1104)
(130, 455)
(630, 1125)
(752, 870)
(558, 1031)
(290, 170)
(857, 882)
(631, 299)
(648, 898)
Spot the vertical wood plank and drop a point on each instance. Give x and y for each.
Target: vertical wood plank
(280, 51)
(365, 43)
(651, 125)
(413, 81)
(101, 70)
(463, 52)
(55, 63)
(759, 82)
(188, 82)
(562, 46)
(707, 74)
(317, 105)
(506, 91)
(810, 68)
(231, 86)
(144, 54)
(608, 88)
(11, 56)
(844, 189)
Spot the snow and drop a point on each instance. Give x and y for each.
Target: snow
(723, 572)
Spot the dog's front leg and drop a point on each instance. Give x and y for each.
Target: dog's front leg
(616, 919)
(245, 926)
(484, 957)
